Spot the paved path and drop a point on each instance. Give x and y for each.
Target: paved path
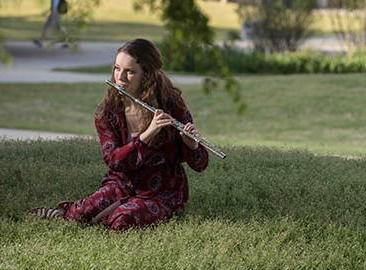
(17, 134)
(32, 64)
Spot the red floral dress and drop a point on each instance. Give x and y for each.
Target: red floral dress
(150, 182)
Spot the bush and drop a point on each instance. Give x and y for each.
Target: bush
(277, 63)
(276, 25)
(256, 63)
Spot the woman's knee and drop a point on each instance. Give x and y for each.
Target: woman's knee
(136, 213)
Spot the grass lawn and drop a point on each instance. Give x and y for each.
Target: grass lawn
(269, 205)
(114, 21)
(318, 112)
(259, 209)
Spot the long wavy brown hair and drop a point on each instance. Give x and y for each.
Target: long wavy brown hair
(156, 89)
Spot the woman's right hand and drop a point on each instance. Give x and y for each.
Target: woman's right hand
(160, 120)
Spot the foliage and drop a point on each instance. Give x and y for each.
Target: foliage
(276, 25)
(188, 43)
(294, 62)
(4, 55)
(180, 18)
(348, 4)
(242, 62)
(80, 14)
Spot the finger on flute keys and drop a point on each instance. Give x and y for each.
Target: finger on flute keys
(162, 119)
(190, 128)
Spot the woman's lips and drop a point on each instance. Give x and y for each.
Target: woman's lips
(124, 85)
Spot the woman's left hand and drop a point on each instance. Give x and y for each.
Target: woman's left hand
(190, 128)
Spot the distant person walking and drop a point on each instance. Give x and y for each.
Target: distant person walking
(58, 8)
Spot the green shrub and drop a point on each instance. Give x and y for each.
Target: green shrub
(240, 62)
(279, 63)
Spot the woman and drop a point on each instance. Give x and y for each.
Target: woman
(146, 182)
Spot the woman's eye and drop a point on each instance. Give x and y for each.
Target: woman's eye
(130, 72)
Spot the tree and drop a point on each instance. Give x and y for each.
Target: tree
(80, 14)
(277, 25)
(189, 44)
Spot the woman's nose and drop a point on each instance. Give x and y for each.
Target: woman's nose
(123, 76)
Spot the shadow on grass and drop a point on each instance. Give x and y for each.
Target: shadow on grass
(251, 183)
(29, 27)
(14, 28)
(21, 27)
(121, 31)
(269, 183)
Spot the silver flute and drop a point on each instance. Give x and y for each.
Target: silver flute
(178, 125)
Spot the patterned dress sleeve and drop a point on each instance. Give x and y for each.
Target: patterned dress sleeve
(196, 159)
(118, 155)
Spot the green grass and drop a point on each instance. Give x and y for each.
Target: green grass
(87, 69)
(12, 27)
(114, 21)
(321, 113)
(54, 107)
(261, 208)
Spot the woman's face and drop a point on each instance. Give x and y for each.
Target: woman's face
(128, 73)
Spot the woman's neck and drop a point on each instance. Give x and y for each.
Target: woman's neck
(130, 107)
(133, 118)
